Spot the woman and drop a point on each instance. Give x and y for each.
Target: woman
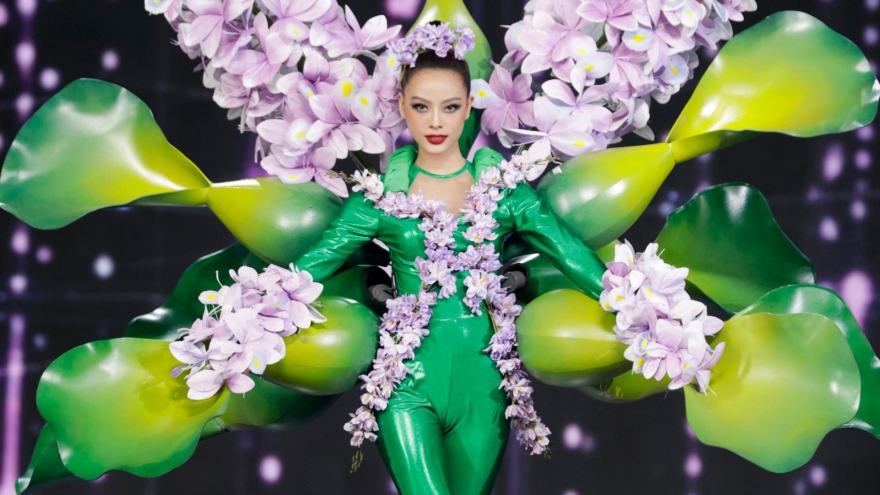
(444, 429)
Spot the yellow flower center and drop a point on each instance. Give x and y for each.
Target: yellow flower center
(639, 38)
(674, 70)
(347, 88)
(589, 67)
(364, 101)
(482, 93)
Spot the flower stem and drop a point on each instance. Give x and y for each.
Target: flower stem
(363, 160)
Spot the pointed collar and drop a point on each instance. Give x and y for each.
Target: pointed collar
(399, 164)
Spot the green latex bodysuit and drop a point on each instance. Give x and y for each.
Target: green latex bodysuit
(444, 430)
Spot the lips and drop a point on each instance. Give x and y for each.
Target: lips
(436, 138)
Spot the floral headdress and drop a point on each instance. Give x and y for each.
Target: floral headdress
(437, 36)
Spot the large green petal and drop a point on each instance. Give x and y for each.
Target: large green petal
(327, 358)
(783, 382)
(103, 398)
(819, 300)
(456, 14)
(268, 403)
(93, 145)
(789, 73)
(276, 221)
(566, 339)
(733, 247)
(627, 387)
(598, 196)
(45, 467)
(183, 307)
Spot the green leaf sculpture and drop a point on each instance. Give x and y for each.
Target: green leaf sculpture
(93, 145)
(101, 398)
(45, 467)
(277, 222)
(819, 300)
(789, 73)
(734, 249)
(569, 348)
(327, 358)
(783, 382)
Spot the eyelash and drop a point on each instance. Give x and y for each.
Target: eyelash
(419, 107)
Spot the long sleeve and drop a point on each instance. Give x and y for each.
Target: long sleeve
(538, 225)
(356, 225)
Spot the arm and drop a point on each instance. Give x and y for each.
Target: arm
(539, 227)
(356, 225)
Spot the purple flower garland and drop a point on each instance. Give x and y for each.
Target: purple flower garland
(404, 325)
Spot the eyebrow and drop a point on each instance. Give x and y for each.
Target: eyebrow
(444, 101)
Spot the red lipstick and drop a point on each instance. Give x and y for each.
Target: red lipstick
(436, 138)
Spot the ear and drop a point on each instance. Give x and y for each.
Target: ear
(470, 103)
(400, 104)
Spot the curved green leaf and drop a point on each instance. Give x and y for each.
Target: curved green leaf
(733, 247)
(627, 387)
(565, 338)
(183, 307)
(819, 300)
(327, 358)
(45, 467)
(598, 196)
(102, 398)
(93, 145)
(783, 382)
(789, 73)
(277, 222)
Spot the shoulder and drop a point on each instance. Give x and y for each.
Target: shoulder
(485, 158)
(396, 176)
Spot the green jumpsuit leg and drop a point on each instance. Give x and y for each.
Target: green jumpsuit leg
(411, 444)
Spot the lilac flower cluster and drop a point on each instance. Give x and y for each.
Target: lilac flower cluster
(287, 70)
(607, 59)
(244, 328)
(440, 38)
(404, 325)
(666, 330)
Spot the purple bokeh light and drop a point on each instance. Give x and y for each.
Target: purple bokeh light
(25, 55)
(870, 35)
(49, 78)
(402, 9)
(110, 60)
(872, 5)
(104, 266)
(26, 7)
(863, 159)
(858, 210)
(572, 436)
(818, 476)
(270, 469)
(857, 290)
(866, 133)
(4, 15)
(44, 254)
(20, 242)
(18, 284)
(693, 466)
(12, 404)
(828, 229)
(24, 104)
(832, 163)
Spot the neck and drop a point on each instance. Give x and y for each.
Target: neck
(447, 162)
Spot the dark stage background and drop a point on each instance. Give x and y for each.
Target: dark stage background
(63, 288)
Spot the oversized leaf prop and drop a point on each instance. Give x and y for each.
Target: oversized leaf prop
(566, 339)
(93, 145)
(790, 73)
(277, 222)
(819, 300)
(733, 247)
(45, 467)
(102, 398)
(327, 358)
(783, 383)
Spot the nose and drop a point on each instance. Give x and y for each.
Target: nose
(435, 119)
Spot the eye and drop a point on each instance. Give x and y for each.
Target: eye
(419, 107)
(453, 108)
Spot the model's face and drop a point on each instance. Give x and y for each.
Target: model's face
(435, 105)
